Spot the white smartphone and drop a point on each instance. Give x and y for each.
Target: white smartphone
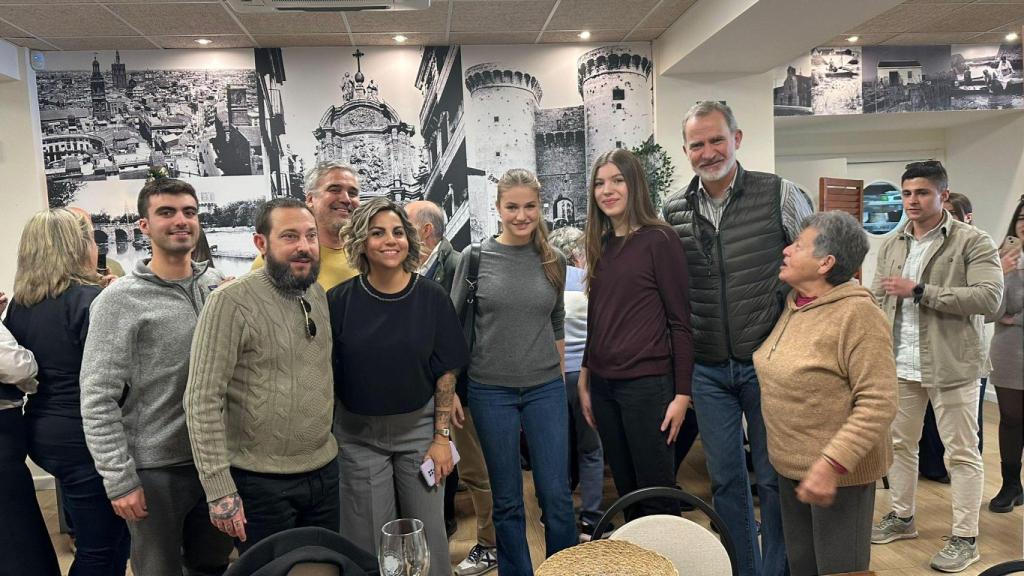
(427, 468)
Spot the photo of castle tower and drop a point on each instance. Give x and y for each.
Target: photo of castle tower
(604, 101)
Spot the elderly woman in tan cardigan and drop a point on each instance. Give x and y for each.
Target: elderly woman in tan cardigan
(828, 395)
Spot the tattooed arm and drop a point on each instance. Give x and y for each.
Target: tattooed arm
(228, 515)
(440, 452)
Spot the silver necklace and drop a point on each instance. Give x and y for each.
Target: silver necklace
(369, 290)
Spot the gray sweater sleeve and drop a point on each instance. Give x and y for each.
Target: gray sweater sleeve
(106, 369)
(459, 287)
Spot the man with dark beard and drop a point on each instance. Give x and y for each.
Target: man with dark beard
(260, 398)
(134, 370)
(332, 193)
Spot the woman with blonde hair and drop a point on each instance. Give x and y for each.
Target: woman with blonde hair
(635, 383)
(516, 370)
(397, 348)
(54, 287)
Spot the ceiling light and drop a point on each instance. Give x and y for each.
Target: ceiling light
(204, 41)
(585, 35)
(853, 38)
(1012, 36)
(400, 38)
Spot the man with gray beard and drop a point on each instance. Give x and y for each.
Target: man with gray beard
(734, 224)
(260, 394)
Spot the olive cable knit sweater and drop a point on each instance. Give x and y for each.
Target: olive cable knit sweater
(260, 395)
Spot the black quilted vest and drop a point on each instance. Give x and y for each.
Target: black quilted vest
(735, 292)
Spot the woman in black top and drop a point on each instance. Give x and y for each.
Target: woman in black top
(54, 286)
(397, 347)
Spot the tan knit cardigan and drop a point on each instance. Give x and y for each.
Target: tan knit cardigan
(828, 386)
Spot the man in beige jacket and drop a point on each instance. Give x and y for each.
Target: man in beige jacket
(932, 277)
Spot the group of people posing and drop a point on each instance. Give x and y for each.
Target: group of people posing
(186, 414)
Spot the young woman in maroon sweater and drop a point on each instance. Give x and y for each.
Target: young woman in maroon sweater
(635, 382)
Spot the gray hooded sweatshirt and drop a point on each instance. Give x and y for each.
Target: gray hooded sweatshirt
(134, 372)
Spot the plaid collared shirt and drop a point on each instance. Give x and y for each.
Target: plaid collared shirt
(796, 206)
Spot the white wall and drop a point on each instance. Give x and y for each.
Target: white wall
(985, 161)
(749, 96)
(984, 158)
(22, 184)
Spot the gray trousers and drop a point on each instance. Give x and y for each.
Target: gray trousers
(827, 540)
(177, 537)
(380, 458)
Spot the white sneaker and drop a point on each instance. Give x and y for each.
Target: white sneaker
(480, 560)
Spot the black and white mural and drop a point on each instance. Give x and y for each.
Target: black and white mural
(892, 79)
(393, 113)
(551, 110)
(792, 88)
(907, 79)
(987, 77)
(836, 78)
(106, 117)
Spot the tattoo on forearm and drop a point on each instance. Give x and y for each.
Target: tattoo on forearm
(225, 508)
(443, 399)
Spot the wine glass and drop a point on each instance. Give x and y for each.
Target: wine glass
(403, 548)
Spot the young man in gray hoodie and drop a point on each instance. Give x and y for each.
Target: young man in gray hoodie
(134, 373)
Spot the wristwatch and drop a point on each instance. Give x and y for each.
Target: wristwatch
(918, 293)
(446, 432)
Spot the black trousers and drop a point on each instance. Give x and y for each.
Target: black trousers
(24, 541)
(276, 502)
(629, 415)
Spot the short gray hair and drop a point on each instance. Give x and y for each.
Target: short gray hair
(569, 242)
(356, 230)
(432, 214)
(842, 236)
(314, 174)
(707, 107)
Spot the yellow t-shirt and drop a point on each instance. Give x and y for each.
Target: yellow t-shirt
(334, 267)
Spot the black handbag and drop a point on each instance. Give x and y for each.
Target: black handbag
(467, 317)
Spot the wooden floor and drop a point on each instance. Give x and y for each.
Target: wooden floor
(1002, 535)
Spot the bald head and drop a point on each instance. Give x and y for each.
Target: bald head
(80, 212)
(429, 220)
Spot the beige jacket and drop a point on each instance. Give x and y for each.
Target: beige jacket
(828, 386)
(962, 278)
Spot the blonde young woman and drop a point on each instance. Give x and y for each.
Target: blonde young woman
(397, 348)
(54, 287)
(635, 383)
(516, 371)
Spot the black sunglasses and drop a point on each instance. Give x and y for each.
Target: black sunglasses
(926, 163)
(306, 310)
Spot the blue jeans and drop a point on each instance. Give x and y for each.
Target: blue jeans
(589, 454)
(542, 413)
(722, 395)
(102, 541)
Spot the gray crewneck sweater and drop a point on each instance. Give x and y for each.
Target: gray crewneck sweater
(519, 316)
(134, 371)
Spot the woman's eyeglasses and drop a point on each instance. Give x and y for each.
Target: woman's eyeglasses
(306, 310)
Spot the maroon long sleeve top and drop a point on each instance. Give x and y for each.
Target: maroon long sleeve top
(638, 315)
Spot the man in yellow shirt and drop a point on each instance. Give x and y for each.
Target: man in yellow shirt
(332, 193)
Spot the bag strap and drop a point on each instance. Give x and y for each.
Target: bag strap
(469, 308)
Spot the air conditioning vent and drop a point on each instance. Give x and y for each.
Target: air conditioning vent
(264, 6)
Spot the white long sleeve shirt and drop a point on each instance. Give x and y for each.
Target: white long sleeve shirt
(17, 366)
